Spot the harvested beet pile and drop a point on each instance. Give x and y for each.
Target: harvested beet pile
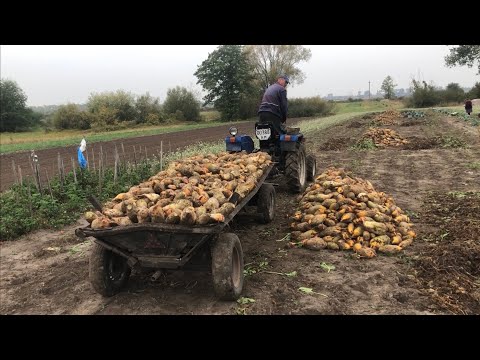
(448, 269)
(384, 137)
(389, 117)
(340, 212)
(192, 191)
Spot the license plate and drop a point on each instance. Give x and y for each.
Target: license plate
(263, 134)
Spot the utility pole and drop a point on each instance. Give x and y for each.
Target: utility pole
(368, 89)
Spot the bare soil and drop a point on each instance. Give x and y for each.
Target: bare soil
(46, 272)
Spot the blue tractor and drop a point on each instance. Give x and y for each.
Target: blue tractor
(287, 151)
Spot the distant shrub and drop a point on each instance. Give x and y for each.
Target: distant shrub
(179, 115)
(474, 92)
(120, 102)
(248, 106)
(103, 117)
(70, 117)
(307, 107)
(180, 99)
(148, 110)
(453, 93)
(153, 119)
(423, 96)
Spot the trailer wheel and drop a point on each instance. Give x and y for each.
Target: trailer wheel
(108, 272)
(311, 167)
(266, 203)
(227, 266)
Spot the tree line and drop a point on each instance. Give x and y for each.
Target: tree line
(234, 78)
(424, 94)
(103, 111)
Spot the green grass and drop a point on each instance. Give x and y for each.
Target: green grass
(357, 106)
(474, 165)
(364, 144)
(36, 140)
(453, 142)
(315, 124)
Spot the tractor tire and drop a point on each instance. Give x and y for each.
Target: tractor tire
(311, 167)
(108, 272)
(296, 170)
(227, 266)
(266, 203)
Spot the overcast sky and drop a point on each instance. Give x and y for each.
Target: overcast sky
(58, 74)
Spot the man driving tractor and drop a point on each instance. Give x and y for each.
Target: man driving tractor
(274, 106)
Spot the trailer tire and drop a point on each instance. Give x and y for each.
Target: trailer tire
(266, 203)
(227, 266)
(311, 167)
(108, 272)
(296, 169)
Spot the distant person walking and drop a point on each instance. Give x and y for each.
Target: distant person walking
(468, 106)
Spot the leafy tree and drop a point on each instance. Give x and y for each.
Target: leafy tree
(14, 114)
(70, 117)
(474, 92)
(104, 118)
(227, 77)
(388, 87)
(454, 93)
(464, 55)
(269, 61)
(148, 109)
(120, 102)
(423, 96)
(180, 100)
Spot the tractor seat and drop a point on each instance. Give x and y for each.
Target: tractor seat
(292, 131)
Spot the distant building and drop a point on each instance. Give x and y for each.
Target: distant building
(365, 95)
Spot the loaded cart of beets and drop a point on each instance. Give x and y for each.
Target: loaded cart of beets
(179, 220)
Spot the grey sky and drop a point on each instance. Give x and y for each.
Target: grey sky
(58, 74)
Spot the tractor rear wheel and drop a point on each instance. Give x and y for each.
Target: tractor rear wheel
(296, 170)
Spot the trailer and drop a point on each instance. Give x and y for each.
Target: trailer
(117, 250)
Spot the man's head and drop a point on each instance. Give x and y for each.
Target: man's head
(283, 80)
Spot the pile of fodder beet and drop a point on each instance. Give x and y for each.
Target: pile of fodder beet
(448, 268)
(191, 191)
(383, 137)
(341, 212)
(389, 117)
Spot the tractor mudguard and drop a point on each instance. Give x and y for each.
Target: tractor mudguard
(239, 143)
(289, 142)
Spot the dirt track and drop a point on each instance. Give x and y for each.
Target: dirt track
(47, 272)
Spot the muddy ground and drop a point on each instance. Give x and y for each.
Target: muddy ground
(439, 186)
